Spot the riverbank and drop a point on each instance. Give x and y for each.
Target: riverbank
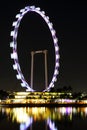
(43, 105)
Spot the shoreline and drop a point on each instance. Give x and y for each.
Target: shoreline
(44, 105)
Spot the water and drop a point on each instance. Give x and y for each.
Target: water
(43, 118)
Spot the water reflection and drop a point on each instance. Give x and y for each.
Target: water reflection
(27, 116)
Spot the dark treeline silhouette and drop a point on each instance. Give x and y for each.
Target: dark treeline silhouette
(63, 89)
(3, 94)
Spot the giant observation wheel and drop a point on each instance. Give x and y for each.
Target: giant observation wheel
(13, 45)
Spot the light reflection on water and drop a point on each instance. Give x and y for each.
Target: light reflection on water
(26, 117)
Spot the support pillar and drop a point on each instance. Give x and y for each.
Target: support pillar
(32, 66)
(46, 74)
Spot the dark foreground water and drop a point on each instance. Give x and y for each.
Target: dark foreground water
(43, 118)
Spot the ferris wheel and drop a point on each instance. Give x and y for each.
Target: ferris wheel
(13, 45)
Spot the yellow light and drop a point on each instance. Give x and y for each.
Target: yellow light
(20, 115)
(85, 110)
(20, 96)
(22, 93)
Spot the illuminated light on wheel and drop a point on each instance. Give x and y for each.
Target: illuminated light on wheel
(13, 45)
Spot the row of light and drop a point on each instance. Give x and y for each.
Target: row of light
(13, 44)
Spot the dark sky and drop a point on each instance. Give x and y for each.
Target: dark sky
(69, 19)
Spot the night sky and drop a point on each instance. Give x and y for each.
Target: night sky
(69, 19)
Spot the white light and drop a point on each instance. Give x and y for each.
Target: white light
(56, 48)
(22, 10)
(46, 19)
(18, 76)
(53, 79)
(55, 40)
(50, 25)
(15, 66)
(14, 55)
(53, 32)
(43, 12)
(50, 85)
(12, 33)
(38, 8)
(32, 7)
(12, 44)
(57, 57)
(23, 84)
(57, 64)
(14, 23)
(27, 7)
(56, 72)
(29, 89)
(18, 15)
